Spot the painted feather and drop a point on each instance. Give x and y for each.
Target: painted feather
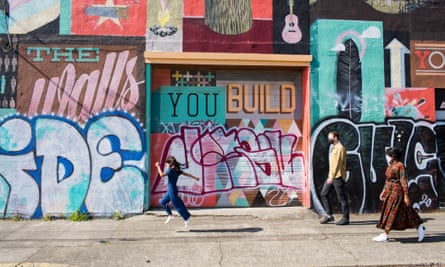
(349, 82)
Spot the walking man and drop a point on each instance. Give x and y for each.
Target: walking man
(335, 180)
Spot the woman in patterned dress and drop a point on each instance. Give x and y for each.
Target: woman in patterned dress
(397, 213)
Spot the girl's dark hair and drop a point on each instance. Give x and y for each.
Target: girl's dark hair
(174, 164)
(395, 153)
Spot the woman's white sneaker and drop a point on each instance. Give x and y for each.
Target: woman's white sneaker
(421, 233)
(381, 238)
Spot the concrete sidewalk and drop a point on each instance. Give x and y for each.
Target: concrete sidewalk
(288, 236)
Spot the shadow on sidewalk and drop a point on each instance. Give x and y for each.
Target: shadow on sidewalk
(234, 230)
(432, 238)
(366, 222)
(374, 222)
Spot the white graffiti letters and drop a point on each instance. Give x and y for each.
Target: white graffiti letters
(65, 168)
(109, 138)
(49, 165)
(423, 145)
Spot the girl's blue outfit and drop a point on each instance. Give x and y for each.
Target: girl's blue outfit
(172, 195)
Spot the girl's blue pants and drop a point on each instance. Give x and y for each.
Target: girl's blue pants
(177, 202)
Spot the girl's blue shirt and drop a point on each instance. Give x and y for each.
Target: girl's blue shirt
(172, 179)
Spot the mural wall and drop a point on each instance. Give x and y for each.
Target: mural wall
(74, 128)
(240, 131)
(378, 102)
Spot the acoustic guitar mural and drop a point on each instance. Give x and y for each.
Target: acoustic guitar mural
(163, 29)
(291, 32)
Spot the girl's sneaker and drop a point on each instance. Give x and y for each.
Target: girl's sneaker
(169, 218)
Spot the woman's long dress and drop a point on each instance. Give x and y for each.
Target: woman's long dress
(395, 214)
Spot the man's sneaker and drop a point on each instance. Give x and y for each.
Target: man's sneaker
(187, 223)
(421, 233)
(169, 218)
(343, 221)
(381, 238)
(326, 219)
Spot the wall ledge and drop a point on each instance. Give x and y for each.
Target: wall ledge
(227, 59)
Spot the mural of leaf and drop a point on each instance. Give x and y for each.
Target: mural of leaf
(349, 82)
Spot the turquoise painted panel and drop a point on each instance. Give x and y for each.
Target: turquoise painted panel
(65, 17)
(328, 41)
(7, 112)
(3, 21)
(182, 104)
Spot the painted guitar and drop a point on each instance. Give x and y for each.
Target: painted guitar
(291, 32)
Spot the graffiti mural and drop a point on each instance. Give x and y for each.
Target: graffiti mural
(416, 103)
(239, 158)
(412, 78)
(440, 104)
(78, 80)
(75, 65)
(8, 73)
(164, 25)
(400, 6)
(51, 166)
(428, 63)
(68, 141)
(423, 145)
(241, 136)
(290, 26)
(346, 72)
(226, 28)
(34, 16)
(108, 17)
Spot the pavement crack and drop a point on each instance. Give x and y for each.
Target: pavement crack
(221, 253)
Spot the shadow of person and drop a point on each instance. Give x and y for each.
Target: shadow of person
(229, 230)
(364, 222)
(429, 238)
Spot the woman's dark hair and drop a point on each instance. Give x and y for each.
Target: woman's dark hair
(395, 153)
(174, 164)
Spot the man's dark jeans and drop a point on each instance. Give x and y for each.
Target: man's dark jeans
(340, 189)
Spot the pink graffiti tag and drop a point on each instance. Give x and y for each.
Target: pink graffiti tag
(65, 91)
(238, 158)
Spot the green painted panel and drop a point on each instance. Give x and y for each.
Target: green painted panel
(182, 104)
